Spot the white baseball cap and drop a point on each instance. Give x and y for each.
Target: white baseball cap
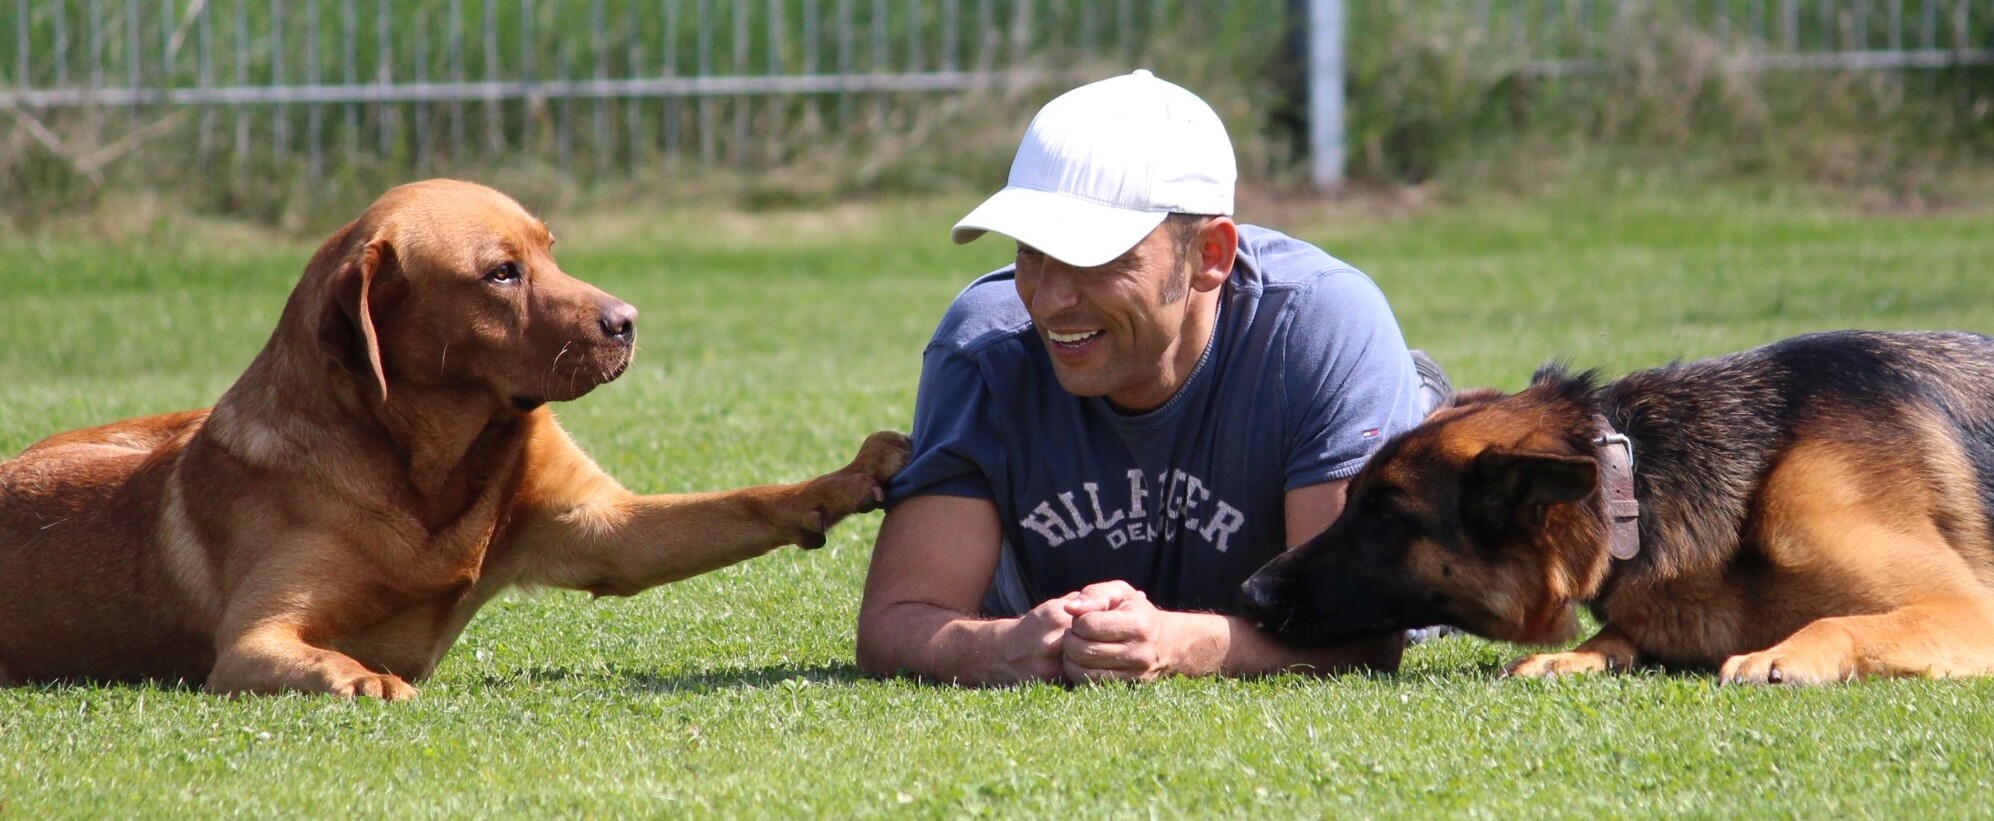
(1103, 164)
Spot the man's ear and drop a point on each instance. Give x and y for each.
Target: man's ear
(1218, 245)
(1506, 488)
(349, 323)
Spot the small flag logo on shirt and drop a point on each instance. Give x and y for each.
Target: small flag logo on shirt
(1372, 433)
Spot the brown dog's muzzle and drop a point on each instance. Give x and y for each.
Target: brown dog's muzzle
(619, 320)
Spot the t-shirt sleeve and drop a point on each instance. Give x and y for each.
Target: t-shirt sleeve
(956, 444)
(1350, 383)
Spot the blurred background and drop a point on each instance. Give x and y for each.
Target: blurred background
(292, 113)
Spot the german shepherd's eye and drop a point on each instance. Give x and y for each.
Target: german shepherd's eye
(503, 274)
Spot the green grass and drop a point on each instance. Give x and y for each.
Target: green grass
(771, 344)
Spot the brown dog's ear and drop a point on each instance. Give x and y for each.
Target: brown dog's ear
(1507, 487)
(356, 290)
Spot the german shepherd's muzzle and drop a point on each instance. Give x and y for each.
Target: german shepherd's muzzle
(1810, 511)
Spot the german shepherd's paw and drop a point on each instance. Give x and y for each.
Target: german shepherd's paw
(1786, 665)
(859, 487)
(1553, 665)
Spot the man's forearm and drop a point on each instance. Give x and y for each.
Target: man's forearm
(1229, 645)
(937, 643)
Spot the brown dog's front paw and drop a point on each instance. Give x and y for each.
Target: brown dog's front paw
(883, 454)
(384, 686)
(1553, 665)
(859, 487)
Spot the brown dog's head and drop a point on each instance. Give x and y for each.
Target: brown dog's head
(1477, 518)
(451, 285)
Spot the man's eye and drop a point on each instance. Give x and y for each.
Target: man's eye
(503, 273)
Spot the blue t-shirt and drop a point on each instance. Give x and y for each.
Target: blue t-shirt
(1306, 374)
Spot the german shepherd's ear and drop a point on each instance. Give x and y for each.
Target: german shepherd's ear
(1505, 488)
(356, 293)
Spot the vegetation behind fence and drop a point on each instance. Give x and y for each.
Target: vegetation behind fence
(275, 109)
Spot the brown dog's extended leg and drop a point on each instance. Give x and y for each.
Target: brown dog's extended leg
(578, 529)
(1606, 651)
(1949, 638)
(276, 659)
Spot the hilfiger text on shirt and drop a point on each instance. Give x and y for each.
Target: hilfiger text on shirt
(1185, 504)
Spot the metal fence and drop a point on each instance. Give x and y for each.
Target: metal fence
(603, 86)
(603, 83)
(1576, 38)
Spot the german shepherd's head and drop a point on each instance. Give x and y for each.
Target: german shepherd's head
(1484, 517)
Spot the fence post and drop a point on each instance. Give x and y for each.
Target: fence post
(1326, 135)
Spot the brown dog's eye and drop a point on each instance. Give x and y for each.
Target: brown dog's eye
(508, 272)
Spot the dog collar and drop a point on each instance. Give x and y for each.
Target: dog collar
(1616, 466)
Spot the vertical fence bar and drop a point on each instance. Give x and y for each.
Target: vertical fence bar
(916, 56)
(986, 41)
(880, 63)
(349, 24)
(280, 131)
(1326, 148)
(599, 43)
(633, 61)
(456, 61)
(384, 72)
(94, 12)
(669, 117)
(739, 150)
(315, 111)
(709, 116)
(205, 65)
(847, 46)
(813, 109)
(241, 79)
(61, 45)
(24, 54)
(169, 45)
(494, 114)
(564, 125)
(529, 73)
(424, 146)
(134, 56)
(951, 28)
(773, 128)
(1021, 32)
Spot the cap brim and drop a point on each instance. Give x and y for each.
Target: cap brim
(1077, 232)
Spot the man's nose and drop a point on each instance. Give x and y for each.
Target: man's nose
(1055, 289)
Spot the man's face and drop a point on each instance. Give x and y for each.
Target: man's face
(1117, 330)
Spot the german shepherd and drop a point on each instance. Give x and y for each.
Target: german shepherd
(1811, 511)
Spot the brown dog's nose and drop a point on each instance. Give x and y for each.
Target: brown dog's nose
(619, 321)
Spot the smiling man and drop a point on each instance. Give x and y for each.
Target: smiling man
(1115, 431)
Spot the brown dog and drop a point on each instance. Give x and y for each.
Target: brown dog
(1810, 511)
(383, 468)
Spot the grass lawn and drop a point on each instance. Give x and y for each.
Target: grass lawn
(771, 344)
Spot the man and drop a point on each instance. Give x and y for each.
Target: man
(1114, 432)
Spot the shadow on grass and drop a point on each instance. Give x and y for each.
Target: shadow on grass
(697, 682)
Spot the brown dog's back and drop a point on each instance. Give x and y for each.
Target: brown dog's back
(78, 556)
